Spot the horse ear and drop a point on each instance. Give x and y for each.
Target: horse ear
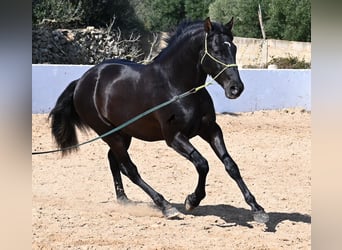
(207, 25)
(230, 24)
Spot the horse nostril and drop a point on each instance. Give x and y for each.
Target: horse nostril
(234, 90)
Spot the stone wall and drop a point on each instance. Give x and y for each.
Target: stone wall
(259, 52)
(83, 46)
(91, 46)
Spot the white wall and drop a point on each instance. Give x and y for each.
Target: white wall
(264, 89)
(48, 82)
(267, 89)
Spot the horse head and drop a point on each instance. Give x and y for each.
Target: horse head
(218, 57)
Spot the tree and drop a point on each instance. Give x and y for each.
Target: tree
(64, 13)
(100, 13)
(289, 20)
(245, 14)
(247, 23)
(197, 9)
(283, 19)
(162, 15)
(222, 10)
(80, 13)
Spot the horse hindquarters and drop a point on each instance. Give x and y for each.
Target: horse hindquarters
(64, 120)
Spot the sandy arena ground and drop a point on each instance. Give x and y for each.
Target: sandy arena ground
(74, 205)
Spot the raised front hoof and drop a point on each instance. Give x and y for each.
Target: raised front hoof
(261, 217)
(171, 213)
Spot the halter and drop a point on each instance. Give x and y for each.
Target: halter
(226, 66)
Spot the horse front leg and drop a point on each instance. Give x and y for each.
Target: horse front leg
(181, 144)
(214, 137)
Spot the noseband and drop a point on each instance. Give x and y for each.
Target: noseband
(206, 53)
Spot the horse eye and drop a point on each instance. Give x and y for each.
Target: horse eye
(228, 43)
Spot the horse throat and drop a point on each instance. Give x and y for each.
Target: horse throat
(183, 64)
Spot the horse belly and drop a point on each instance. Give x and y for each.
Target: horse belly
(145, 129)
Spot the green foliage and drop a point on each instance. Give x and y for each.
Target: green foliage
(289, 62)
(247, 22)
(161, 15)
(62, 12)
(283, 19)
(80, 13)
(222, 10)
(101, 13)
(245, 14)
(289, 20)
(197, 9)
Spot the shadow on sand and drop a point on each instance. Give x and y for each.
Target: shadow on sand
(239, 216)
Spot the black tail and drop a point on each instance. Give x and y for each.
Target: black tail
(64, 120)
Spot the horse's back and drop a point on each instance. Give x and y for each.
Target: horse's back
(118, 61)
(107, 72)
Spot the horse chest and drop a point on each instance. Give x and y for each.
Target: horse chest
(188, 119)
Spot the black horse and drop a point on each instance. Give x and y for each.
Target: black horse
(114, 91)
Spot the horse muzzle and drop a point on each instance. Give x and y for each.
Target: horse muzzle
(233, 90)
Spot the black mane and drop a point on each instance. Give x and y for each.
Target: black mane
(185, 31)
(188, 31)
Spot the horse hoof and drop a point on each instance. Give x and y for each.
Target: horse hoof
(188, 205)
(171, 213)
(124, 201)
(261, 217)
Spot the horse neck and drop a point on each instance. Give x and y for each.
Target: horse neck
(182, 62)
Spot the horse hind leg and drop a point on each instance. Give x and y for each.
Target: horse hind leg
(115, 169)
(119, 159)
